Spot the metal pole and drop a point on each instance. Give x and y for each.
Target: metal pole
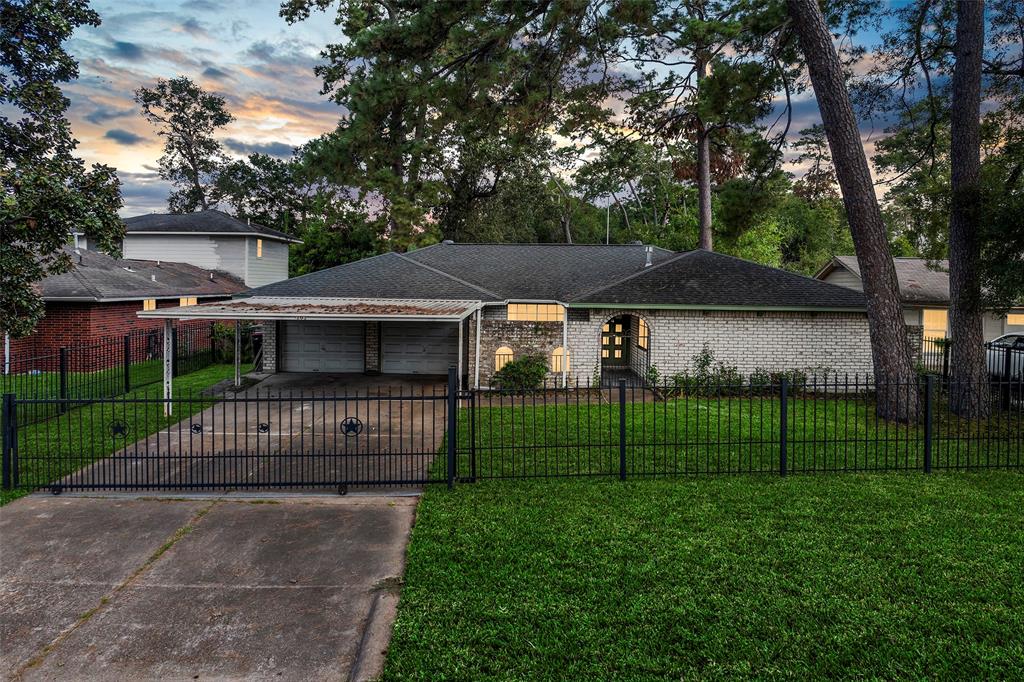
(127, 363)
(783, 424)
(453, 407)
(459, 359)
(9, 434)
(929, 392)
(622, 429)
(238, 354)
(168, 365)
(63, 378)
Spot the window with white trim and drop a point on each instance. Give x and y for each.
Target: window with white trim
(259, 248)
(558, 356)
(502, 357)
(643, 334)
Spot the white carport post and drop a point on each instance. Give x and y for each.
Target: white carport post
(168, 364)
(461, 324)
(476, 363)
(238, 353)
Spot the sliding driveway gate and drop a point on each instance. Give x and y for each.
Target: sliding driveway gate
(389, 436)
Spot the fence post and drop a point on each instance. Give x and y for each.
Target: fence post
(10, 433)
(783, 423)
(1007, 378)
(945, 362)
(63, 378)
(929, 407)
(174, 351)
(453, 406)
(622, 429)
(472, 436)
(127, 363)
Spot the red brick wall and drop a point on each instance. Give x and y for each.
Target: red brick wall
(78, 324)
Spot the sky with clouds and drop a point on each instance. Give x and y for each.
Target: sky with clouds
(242, 50)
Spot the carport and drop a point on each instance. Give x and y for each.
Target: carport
(328, 334)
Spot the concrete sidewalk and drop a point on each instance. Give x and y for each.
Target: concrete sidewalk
(285, 588)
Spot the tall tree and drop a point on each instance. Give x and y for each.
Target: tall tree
(187, 117)
(47, 191)
(889, 347)
(966, 311)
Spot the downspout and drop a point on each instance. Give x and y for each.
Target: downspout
(565, 345)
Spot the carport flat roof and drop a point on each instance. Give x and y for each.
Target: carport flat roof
(301, 308)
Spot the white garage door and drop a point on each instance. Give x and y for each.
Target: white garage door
(322, 347)
(419, 347)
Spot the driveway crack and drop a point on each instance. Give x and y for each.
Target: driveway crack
(178, 534)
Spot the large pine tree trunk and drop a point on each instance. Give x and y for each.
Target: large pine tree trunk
(703, 173)
(965, 319)
(890, 350)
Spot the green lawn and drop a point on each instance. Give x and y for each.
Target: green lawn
(852, 576)
(728, 435)
(55, 447)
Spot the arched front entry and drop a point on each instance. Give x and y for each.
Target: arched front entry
(625, 350)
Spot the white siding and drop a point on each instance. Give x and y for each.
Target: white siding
(272, 267)
(844, 278)
(198, 250)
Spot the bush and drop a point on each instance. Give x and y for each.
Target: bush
(523, 374)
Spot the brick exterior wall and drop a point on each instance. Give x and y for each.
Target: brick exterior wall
(68, 324)
(371, 347)
(524, 338)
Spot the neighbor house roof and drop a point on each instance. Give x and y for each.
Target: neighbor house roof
(95, 276)
(581, 275)
(921, 281)
(201, 222)
(707, 279)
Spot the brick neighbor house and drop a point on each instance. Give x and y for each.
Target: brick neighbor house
(588, 310)
(169, 260)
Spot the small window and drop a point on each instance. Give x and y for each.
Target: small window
(536, 312)
(642, 335)
(1015, 318)
(618, 353)
(604, 353)
(149, 304)
(502, 357)
(618, 340)
(259, 248)
(557, 356)
(187, 300)
(605, 328)
(618, 329)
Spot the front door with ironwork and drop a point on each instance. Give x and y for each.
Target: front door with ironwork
(615, 343)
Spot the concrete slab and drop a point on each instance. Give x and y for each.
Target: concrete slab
(282, 589)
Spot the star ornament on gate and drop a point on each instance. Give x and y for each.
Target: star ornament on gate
(351, 426)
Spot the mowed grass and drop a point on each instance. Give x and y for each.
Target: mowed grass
(60, 445)
(866, 576)
(517, 438)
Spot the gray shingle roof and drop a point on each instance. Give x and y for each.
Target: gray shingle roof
(538, 271)
(584, 274)
(919, 281)
(704, 278)
(388, 275)
(95, 276)
(201, 222)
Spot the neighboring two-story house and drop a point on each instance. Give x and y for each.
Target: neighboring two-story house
(167, 260)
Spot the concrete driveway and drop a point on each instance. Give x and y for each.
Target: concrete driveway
(135, 589)
(289, 429)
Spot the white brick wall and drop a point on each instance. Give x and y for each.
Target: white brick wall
(749, 340)
(270, 346)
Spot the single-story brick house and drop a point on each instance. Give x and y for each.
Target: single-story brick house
(100, 297)
(924, 291)
(613, 310)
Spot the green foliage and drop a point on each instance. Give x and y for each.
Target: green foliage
(526, 373)
(187, 117)
(47, 191)
(338, 237)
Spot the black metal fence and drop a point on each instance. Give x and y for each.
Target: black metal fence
(433, 433)
(1003, 360)
(115, 365)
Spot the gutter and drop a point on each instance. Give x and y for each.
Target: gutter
(687, 306)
